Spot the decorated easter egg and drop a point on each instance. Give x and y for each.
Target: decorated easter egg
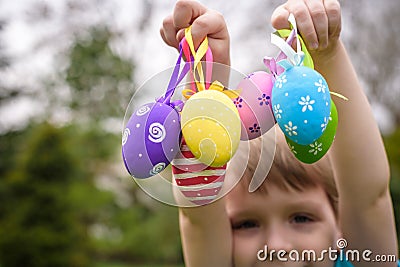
(254, 105)
(211, 127)
(301, 104)
(198, 182)
(317, 149)
(151, 139)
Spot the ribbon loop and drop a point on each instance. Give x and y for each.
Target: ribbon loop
(196, 68)
(176, 78)
(296, 58)
(202, 51)
(270, 63)
(292, 21)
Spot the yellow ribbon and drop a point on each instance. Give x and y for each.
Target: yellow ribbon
(217, 86)
(201, 51)
(200, 85)
(339, 95)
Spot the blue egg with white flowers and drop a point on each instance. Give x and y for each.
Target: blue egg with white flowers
(301, 104)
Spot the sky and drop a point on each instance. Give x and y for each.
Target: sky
(147, 48)
(29, 41)
(35, 58)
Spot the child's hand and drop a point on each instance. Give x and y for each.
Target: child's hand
(319, 23)
(204, 21)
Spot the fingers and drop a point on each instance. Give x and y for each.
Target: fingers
(211, 24)
(304, 21)
(168, 32)
(279, 18)
(205, 22)
(186, 11)
(318, 21)
(319, 38)
(333, 10)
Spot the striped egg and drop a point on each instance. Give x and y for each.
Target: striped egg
(199, 183)
(150, 140)
(254, 104)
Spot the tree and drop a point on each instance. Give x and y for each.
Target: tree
(392, 144)
(38, 227)
(5, 93)
(99, 79)
(49, 175)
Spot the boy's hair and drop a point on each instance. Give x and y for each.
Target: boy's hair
(270, 160)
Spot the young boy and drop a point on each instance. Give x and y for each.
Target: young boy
(298, 207)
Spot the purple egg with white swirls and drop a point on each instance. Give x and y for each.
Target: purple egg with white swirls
(151, 139)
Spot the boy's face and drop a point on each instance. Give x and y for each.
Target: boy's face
(281, 220)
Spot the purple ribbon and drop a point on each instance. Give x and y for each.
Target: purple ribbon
(175, 79)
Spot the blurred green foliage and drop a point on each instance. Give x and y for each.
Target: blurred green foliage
(99, 78)
(65, 197)
(55, 214)
(36, 216)
(392, 145)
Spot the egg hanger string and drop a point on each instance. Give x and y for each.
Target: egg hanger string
(195, 57)
(175, 79)
(293, 58)
(151, 136)
(203, 50)
(271, 62)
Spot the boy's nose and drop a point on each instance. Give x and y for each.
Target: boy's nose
(278, 239)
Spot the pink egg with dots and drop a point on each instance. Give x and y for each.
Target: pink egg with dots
(254, 104)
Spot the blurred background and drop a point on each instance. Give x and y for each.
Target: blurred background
(68, 69)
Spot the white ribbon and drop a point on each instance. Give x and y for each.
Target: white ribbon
(292, 21)
(294, 58)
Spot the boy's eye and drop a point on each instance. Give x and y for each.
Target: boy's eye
(247, 224)
(301, 218)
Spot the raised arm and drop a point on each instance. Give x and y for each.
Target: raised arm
(206, 230)
(361, 165)
(359, 158)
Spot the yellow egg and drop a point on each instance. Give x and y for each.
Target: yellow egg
(211, 127)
